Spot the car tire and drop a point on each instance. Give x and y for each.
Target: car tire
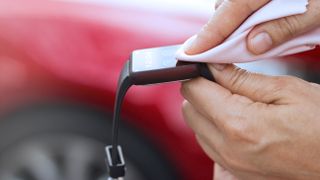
(66, 141)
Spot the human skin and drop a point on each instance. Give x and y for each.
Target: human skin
(256, 126)
(231, 13)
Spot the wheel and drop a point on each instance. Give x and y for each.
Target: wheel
(66, 142)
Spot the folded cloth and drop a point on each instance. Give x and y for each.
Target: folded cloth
(234, 49)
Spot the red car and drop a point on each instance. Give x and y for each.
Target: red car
(59, 65)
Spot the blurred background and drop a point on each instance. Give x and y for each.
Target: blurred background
(59, 65)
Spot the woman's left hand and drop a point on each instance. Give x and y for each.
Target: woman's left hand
(256, 126)
(222, 174)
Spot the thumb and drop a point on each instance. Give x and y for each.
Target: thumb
(224, 21)
(257, 87)
(273, 33)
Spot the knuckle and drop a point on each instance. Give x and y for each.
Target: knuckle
(291, 80)
(278, 88)
(238, 78)
(182, 90)
(288, 27)
(279, 84)
(292, 25)
(186, 113)
(284, 86)
(259, 92)
(186, 88)
(284, 83)
(311, 17)
(240, 130)
(232, 163)
(184, 107)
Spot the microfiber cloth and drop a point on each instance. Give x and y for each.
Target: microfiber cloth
(234, 49)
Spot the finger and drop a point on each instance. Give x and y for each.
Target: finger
(221, 173)
(257, 87)
(207, 135)
(201, 126)
(213, 155)
(218, 3)
(273, 33)
(214, 102)
(315, 85)
(225, 20)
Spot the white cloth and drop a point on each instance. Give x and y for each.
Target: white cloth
(234, 50)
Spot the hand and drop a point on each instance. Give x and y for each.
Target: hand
(222, 174)
(231, 13)
(256, 126)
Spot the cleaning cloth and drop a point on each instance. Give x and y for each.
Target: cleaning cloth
(234, 49)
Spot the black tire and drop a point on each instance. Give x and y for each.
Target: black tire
(57, 128)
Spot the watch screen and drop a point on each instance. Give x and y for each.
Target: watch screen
(154, 58)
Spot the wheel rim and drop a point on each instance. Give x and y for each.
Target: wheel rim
(57, 156)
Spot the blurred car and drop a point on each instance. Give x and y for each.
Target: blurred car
(59, 65)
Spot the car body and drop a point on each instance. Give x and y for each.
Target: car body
(74, 51)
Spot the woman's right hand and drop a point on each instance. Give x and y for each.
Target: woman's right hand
(230, 14)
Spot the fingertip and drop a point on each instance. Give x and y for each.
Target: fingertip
(207, 38)
(197, 46)
(190, 49)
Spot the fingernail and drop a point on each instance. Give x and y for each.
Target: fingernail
(261, 43)
(219, 67)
